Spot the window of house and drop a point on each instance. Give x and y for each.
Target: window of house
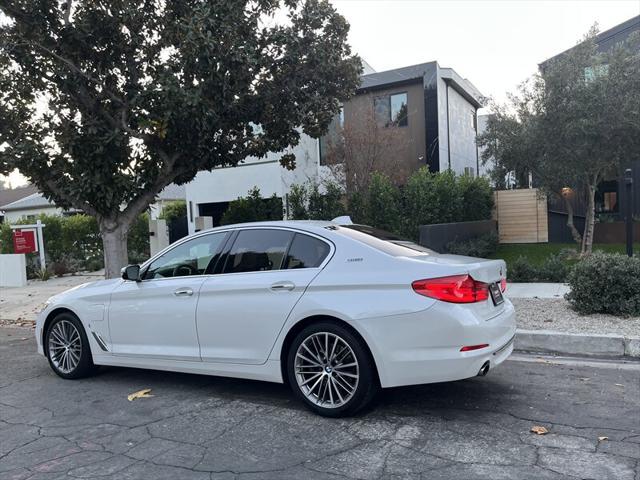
(306, 252)
(606, 197)
(258, 250)
(391, 110)
(469, 172)
(382, 110)
(189, 258)
(399, 112)
(331, 140)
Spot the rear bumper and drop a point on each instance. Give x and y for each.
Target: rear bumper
(424, 347)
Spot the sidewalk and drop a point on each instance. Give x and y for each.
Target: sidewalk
(22, 304)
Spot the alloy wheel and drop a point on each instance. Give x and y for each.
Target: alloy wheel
(326, 370)
(65, 346)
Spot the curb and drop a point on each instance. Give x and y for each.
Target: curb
(547, 341)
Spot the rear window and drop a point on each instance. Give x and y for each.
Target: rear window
(384, 241)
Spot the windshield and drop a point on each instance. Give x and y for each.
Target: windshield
(382, 240)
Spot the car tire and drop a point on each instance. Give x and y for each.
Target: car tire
(67, 347)
(338, 377)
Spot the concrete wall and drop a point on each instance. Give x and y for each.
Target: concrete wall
(13, 270)
(227, 184)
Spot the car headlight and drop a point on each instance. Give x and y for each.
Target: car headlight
(45, 305)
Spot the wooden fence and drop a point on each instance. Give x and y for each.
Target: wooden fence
(521, 216)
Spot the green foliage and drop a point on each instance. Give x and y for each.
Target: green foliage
(312, 201)
(431, 198)
(43, 274)
(555, 268)
(521, 270)
(140, 94)
(572, 125)
(383, 204)
(73, 243)
(253, 208)
(481, 247)
(138, 240)
(427, 198)
(477, 198)
(606, 283)
(173, 210)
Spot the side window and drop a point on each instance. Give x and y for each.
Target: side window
(189, 258)
(306, 252)
(258, 250)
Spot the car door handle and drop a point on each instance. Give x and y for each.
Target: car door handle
(282, 286)
(183, 292)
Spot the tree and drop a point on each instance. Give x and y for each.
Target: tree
(573, 125)
(103, 104)
(365, 147)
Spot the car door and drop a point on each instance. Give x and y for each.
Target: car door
(242, 309)
(155, 317)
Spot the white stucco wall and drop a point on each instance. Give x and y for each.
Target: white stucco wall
(461, 134)
(227, 184)
(487, 167)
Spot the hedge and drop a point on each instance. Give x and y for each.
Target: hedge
(73, 243)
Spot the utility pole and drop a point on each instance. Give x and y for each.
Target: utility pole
(628, 185)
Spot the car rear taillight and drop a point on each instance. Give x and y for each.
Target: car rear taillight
(503, 284)
(455, 289)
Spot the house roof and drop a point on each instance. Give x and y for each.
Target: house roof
(415, 73)
(33, 201)
(12, 194)
(37, 200)
(397, 75)
(608, 39)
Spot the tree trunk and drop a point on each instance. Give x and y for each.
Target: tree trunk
(114, 242)
(574, 231)
(587, 239)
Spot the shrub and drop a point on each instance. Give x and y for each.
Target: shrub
(477, 198)
(482, 246)
(173, 210)
(73, 243)
(382, 207)
(444, 198)
(606, 283)
(553, 269)
(253, 208)
(312, 201)
(521, 270)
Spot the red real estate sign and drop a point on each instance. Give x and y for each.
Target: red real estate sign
(24, 241)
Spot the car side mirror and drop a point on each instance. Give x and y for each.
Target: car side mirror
(131, 272)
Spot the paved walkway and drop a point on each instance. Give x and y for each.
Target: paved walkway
(22, 304)
(537, 290)
(203, 428)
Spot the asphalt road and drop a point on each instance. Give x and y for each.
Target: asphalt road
(198, 427)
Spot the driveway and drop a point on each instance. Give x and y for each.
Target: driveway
(198, 427)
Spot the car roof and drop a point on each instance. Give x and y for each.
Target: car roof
(310, 225)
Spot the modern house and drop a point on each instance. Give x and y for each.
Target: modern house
(434, 110)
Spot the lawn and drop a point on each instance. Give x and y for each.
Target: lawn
(536, 253)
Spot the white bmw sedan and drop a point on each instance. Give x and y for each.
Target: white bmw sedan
(336, 311)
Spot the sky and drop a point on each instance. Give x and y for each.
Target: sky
(495, 44)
